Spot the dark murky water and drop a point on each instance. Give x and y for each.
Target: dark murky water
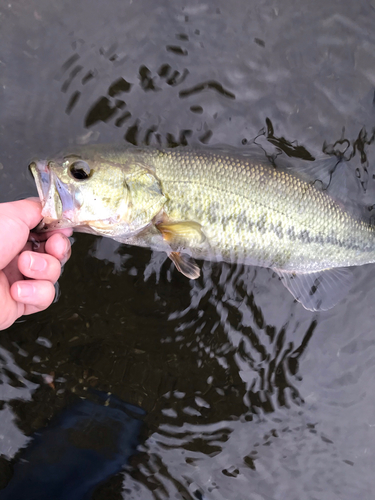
(247, 395)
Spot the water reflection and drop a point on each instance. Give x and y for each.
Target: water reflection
(91, 440)
(213, 358)
(244, 390)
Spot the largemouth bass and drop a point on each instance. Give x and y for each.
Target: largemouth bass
(213, 205)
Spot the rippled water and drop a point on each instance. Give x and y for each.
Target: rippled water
(246, 394)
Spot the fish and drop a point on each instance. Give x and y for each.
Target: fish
(211, 204)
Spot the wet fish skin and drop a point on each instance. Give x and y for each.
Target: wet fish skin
(254, 213)
(120, 197)
(248, 211)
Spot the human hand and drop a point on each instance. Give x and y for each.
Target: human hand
(30, 264)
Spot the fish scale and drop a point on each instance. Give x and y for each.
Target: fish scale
(261, 215)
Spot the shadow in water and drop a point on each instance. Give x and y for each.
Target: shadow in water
(86, 444)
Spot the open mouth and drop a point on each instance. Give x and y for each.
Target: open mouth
(45, 180)
(58, 202)
(42, 177)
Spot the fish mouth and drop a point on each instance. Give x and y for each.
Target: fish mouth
(54, 197)
(42, 177)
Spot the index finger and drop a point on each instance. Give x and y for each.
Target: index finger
(16, 220)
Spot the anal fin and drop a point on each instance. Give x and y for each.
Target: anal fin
(320, 290)
(185, 264)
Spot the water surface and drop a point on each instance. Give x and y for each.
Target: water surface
(246, 394)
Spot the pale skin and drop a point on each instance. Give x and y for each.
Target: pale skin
(30, 264)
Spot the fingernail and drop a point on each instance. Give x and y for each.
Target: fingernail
(67, 245)
(25, 290)
(66, 257)
(37, 262)
(67, 251)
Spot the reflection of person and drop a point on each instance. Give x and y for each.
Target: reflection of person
(90, 441)
(29, 266)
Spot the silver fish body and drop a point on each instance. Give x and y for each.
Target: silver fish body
(261, 215)
(215, 205)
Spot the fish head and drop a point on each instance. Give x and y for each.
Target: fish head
(96, 193)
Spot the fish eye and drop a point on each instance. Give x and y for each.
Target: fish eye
(80, 170)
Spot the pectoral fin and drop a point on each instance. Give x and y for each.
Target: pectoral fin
(318, 291)
(185, 264)
(184, 233)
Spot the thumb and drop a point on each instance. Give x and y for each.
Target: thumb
(16, 220)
